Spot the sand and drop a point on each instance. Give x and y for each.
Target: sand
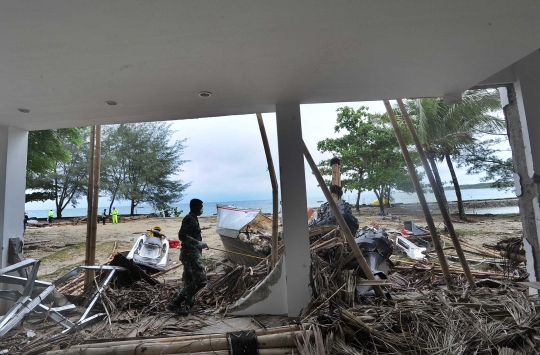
(64, 247)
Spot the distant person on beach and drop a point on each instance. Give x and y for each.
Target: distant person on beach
(104, 215)
(114, 214)
(25, 221)
(50, 216)
(190, 255)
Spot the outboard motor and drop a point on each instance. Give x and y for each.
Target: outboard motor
(326, 217)
(376, 248)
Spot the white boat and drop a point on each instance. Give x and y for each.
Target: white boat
(151, 249)
(240, 232)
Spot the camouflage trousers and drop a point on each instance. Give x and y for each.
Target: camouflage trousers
(194, 276)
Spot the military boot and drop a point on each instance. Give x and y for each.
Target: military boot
(176, 302)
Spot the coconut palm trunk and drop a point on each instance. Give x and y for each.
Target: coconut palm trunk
(433, 164)
(461, 209)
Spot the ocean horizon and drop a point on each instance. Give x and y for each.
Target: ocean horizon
(312, 201)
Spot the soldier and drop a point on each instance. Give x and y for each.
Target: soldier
(190, 255)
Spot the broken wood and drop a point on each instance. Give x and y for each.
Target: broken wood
(473, 247)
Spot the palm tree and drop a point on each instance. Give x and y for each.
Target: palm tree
(445, 129)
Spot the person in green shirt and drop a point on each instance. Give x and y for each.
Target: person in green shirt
(114, 214)
(50, 216)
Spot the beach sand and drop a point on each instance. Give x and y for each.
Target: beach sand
(63, 245)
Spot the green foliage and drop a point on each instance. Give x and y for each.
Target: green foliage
(484, 158)
(139, 161)
(45, 149)
(369, 153)
(176, 212)
(447, 130)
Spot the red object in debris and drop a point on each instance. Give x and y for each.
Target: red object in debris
(173, 243)
(404, 232)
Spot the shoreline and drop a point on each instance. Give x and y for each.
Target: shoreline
(468, 204)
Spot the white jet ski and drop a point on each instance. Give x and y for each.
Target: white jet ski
(151, 249)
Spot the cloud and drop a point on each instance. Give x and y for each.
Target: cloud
(227, 160)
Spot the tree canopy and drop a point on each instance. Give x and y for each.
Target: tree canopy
(46, 149)
(448, 130)
(369, 153)
(139, 163)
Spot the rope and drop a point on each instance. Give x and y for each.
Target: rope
(234, 252)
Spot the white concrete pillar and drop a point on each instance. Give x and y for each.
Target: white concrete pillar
(13, 150)
(294, 206)
(527, 86)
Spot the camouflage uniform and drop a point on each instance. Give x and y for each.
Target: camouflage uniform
(190, 255)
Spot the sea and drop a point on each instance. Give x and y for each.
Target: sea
(313, 201)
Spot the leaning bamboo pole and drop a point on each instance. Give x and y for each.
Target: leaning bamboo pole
(90, 200)
(275, 192)
(343, 225)
(438, 195)
(416, 182)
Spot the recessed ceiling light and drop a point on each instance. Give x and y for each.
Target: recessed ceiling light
(23, 110)
(111, 103)
(205, 94)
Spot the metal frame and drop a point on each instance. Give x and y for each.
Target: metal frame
(24, 304)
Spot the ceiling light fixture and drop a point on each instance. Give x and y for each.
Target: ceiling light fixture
(111, 103)
(205, 94)
(23, 110)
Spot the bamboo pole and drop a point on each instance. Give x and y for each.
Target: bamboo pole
(275, 196)
(90, 200)
(258, 332)
(416, 182)
(438, 195)
(95, 202)
(344, 228)
(270, 341)
(475, 248)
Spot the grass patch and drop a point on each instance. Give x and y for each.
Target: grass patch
(74, 255)
(66, 253)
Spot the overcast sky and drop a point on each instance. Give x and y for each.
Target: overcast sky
(226, 154)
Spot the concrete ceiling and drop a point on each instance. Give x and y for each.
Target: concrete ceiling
(62, 59)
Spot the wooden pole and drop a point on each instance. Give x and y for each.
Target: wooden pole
(90, 200)
(269, 341)
(343, 225)
(416, 182)
(275, 192)
(438, 195)
(171, 339)
(95, 202)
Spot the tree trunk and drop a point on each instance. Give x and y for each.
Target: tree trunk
(113, 197)
(461, 209)
(438, 179)
(133, 207)
(380, 199)
(357, 205)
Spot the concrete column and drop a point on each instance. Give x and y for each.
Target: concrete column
(294, 206)
(13, 150)
(526, 188)
(521, 105)
(527, 88)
